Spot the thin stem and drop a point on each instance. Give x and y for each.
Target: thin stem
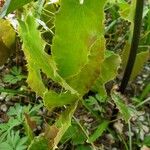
(14, 92)
(134, 44)
(130, 136)
(143, 102)
(85, 133)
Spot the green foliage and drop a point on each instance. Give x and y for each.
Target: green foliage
(39, 143)
(14, 76)
(14, 141)
(141, 59)
(99, 131)
(77, 63)
(63, 123)
(74, 134)
(7, 127)
(109, 71)
(123, 109)
(145, 92)
(146, 141)
(17, 118)
(79, 26)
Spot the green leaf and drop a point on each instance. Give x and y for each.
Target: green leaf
(5, 128)
(123, 108)
(39, 143)
(83, 81)
(146, 141)
(127, 10)
(99, 131)
(75, 134)
(11, 5)
(36, 57)
(14, 76)
(14, 141)
(78, 26)
(53, 99)
(141, 58)
(63, 123)
(5, 145)
(109, 71)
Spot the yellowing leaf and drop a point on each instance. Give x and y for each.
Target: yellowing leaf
(83, 81)
(7, 40)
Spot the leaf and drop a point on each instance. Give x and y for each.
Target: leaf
(123, 109)
(74, 134)
(39, 143)
(7, 41)
(99, 131)
(36, 84)
(11, 5)
(14, 141)
(39, 59)
(53, 134)
(127, 10)
(5, 145)
(109, 71)
(52, 99)
(78, 26)
(141, 58)
(29, 126)
(14, 76)
(146, 141)
(6, 128)
(9, 38)
(63, 123)
(83, 81)
(50, 134)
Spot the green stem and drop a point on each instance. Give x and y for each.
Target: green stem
(15, 92)
(85, 133)
(130, 136)
(134, 44)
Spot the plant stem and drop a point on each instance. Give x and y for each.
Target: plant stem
(130, 136)
(85, 133)
(15, 92)
(134, 44)
(142, 103)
